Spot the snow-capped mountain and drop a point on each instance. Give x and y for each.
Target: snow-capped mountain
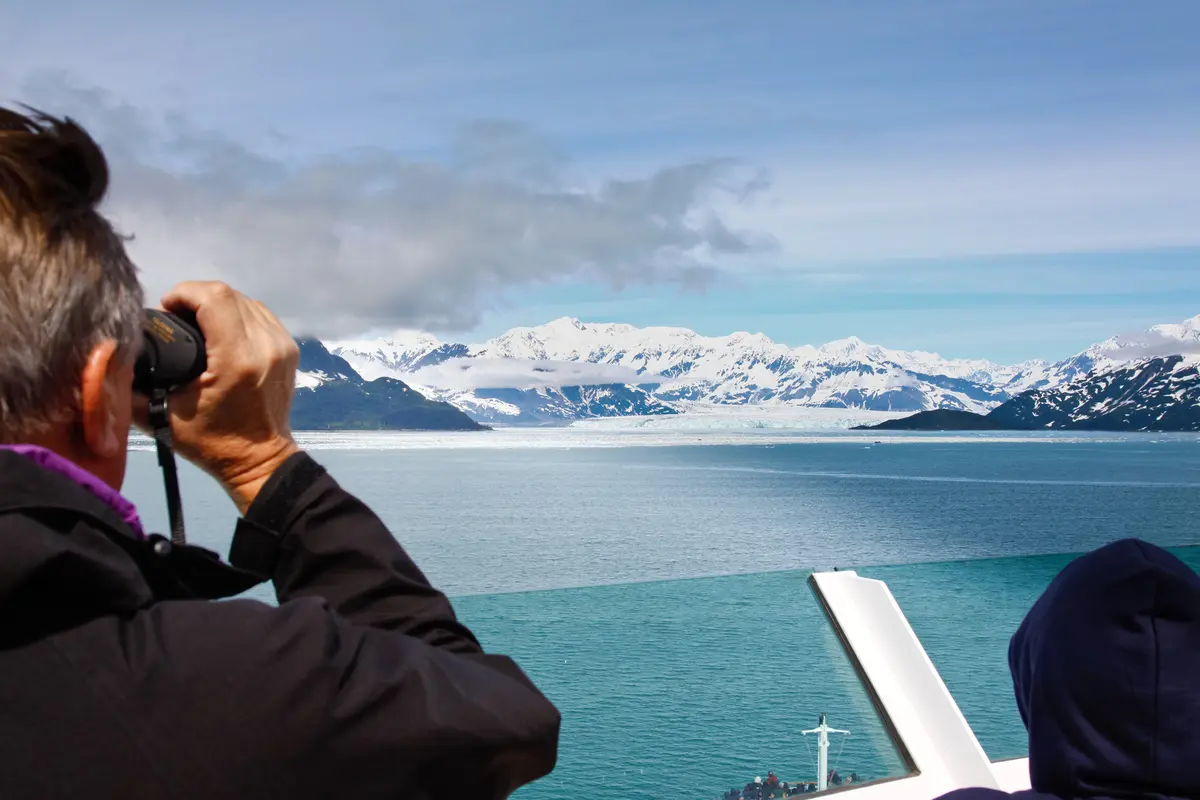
(1154, 394)
(1159, 340)
(660, 366)
(534, 375)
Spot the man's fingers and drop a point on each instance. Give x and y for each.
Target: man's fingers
(270, 321)
(244, 329)
(275, 344)
(233, 422)
(191, 294)
(219, 309)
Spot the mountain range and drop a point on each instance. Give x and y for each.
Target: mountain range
(568, 370)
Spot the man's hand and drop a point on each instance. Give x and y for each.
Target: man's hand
(232, 422)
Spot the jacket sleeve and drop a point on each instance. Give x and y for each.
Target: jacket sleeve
(314, 539)
(242, 699)
(372, 658)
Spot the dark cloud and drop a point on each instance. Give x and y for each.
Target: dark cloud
(370, 239)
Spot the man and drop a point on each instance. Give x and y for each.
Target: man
(119, 677)
(1106, 667)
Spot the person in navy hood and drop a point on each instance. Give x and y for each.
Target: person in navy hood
(1106, 667)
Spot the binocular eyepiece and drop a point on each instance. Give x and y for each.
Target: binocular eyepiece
(172, 354)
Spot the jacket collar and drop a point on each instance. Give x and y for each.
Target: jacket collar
(29, 487)
(55, 463)
(68, 555)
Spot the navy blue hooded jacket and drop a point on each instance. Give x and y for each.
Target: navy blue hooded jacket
(1106, 667)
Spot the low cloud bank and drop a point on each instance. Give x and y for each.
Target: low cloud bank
(504, 373)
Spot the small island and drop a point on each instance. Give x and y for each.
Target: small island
(939, 419)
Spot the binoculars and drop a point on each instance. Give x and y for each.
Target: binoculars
(172, 354)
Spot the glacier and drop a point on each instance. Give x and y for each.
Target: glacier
(706, 417)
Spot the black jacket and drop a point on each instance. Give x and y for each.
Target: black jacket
(121, 677)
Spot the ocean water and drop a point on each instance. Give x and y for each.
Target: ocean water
(658, 594)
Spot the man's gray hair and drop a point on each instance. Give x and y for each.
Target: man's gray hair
(66, 281)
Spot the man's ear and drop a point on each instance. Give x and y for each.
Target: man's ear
(101, 419)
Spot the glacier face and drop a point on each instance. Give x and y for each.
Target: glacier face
(569, 370)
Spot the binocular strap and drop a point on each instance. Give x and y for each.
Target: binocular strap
(160, 421)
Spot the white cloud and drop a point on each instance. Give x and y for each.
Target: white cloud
(371, 239)
(1167, 340)
(504, 373)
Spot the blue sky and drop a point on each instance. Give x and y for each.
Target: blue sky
(999, 179)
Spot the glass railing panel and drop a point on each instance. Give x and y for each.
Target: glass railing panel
(688, 688)
(964, 613)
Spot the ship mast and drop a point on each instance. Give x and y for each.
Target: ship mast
(823, 730)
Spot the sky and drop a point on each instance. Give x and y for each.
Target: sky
(1004, 179)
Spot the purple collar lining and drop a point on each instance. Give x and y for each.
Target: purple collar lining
(56, 463)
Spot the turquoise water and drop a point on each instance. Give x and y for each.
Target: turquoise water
(678, 685)
(700, 683)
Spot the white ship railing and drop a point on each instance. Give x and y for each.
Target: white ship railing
(910, 697)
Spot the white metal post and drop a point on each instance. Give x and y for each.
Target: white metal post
(823, 730)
